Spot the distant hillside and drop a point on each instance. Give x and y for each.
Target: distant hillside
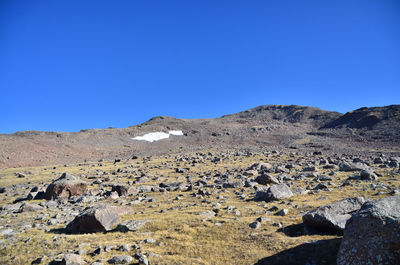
(370, 118)
(288, 113)
(271, 127)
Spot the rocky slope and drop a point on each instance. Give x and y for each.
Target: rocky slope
(263, 128)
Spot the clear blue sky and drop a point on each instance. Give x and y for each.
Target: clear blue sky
(71, 65)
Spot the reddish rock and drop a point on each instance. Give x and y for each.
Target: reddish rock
(65, 186)
(123, 189)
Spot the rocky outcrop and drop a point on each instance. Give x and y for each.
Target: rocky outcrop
(64, 187)
(99, 218)
(333, 217)
(372, 235)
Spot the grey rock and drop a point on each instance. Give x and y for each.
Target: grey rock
(299, 191)
(393, 164)
(372, 235)
(131, 225)
(278, 192)
(72, 259)
(142, 259)
(333, 217)
(255, 225)
(263, 219)
(260, 166)
(282, 212)
(208, 214)
(149, 241)
(321, 186)
(265, 179)
(7, 232)
(233, 184)
(348, 166)
(30, 207)
(99, 218)
(368, 175)
(121, 259)
(108, 248)
(125, 248)
(123, 189)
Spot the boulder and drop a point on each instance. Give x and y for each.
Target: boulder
(65, 187)
(348, 166)
(264, 166)
(123, 189)
(30, 207)
(265, 179)
(99, 218)
(121, 259)
(333, 217)
(274, 193)
(368, 175)
(372, 235)
(233, 184)
(73, 259)
(131, 225)
(142, 259)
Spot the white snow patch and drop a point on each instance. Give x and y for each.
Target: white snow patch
(156, 136)
(176, 133)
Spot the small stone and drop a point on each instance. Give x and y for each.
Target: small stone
(149, 241)
(125, 248)
(73, 259)
(255, 225)
(122, 259)
(283, 212)
(142, 259)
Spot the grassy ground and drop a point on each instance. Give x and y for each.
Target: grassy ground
(181, 234)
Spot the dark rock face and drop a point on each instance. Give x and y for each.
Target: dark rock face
(333, 217)
(372, 235)
(368, 175)
(123, 189)
(99, 218)
(265, 179)
(65, 186)
(370, 118)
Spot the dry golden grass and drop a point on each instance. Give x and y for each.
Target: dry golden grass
(182, 235)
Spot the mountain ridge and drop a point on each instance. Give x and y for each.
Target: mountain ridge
(283, 127)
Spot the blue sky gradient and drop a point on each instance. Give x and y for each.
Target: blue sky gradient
(71, 65)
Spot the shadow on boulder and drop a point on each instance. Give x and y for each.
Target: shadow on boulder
(301, 229)
(318, 252)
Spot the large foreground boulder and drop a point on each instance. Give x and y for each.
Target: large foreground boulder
(372, 235)
(66, 186)
(333, 217)
(99, 218)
